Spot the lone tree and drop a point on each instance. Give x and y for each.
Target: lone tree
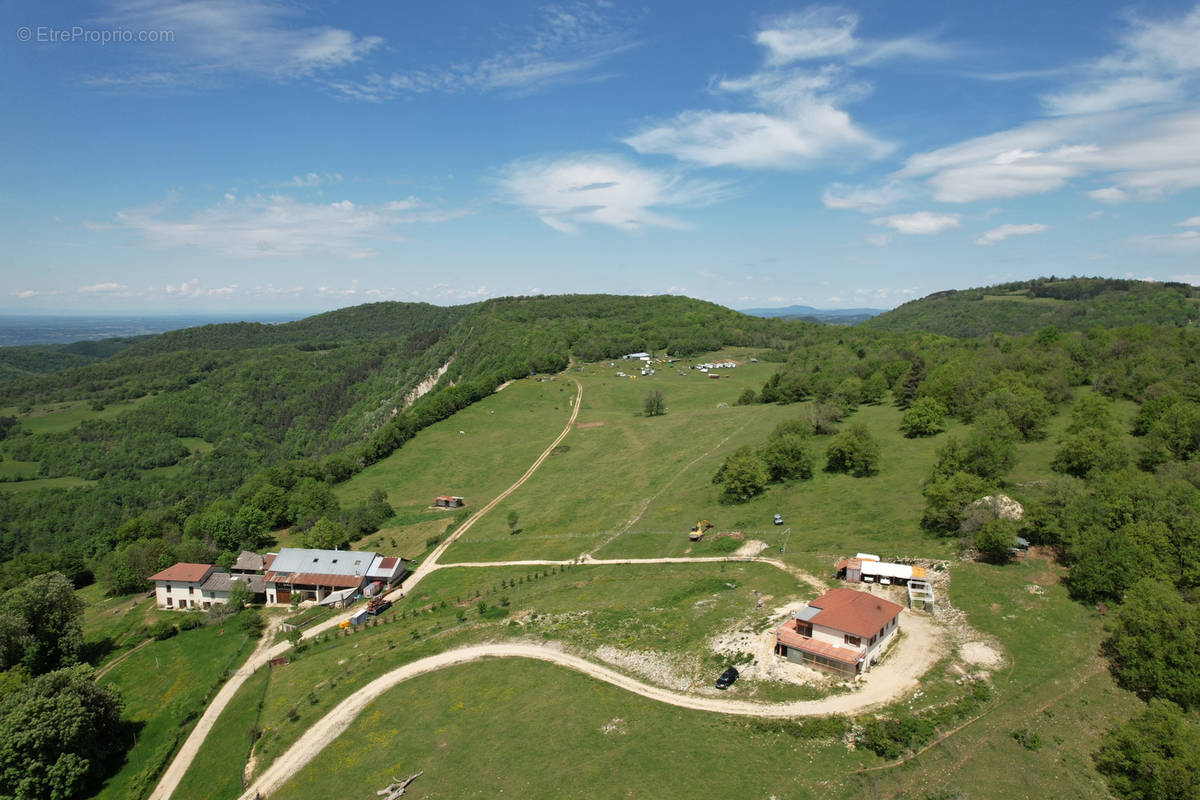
(855, 451)
(654, 404)
(925, 417)
(743, 475)
(513, 519)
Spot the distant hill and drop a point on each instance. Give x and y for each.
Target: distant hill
(827, 316)
(1069, 304)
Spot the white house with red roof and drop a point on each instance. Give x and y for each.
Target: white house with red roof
(179, 586)
(842, 632)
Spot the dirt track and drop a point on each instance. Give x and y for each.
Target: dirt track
(264, 652)
(806, 577)
(913, 655)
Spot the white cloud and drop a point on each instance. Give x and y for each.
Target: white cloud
(602, 189)
(261, 226)
(101, 288)
(1131, 119)
(795, 116)
(879, 239)
(825, 32)
(1004, 231)
(1112, 94)
(921, 223)
(25, 294)
(314, 179)
(1148, 157)
(867, 199)
(1181, 242)
(1193, 222)
(569, 44)
(1110, 194)
(259, 37)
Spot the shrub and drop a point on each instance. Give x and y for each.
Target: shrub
(163, 629)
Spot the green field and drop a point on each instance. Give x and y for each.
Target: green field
(59, 417)
(626, 485)
(511, 726)
(501, 436)
(165, 685)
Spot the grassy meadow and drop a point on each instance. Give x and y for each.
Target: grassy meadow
(624, 485)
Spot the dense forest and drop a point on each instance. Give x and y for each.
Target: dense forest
(1024, 307)
(285, 411)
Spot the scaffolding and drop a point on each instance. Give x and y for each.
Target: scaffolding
(920, 595)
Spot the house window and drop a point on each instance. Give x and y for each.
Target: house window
(168, 601)
(168, 588)
(853, 640)
(804, 628)
(191, 590)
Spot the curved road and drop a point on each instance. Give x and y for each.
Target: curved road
(913, 655)
(262, 654)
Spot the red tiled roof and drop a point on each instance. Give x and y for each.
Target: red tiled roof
(790, 637)
(314, 579)
(268, 560)
(857, 613)
(182, 572)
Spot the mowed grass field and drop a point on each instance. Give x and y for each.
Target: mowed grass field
(515, 728)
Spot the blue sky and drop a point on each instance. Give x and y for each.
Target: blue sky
(242, 155)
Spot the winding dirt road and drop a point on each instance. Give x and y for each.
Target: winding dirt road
(912, 656)
(264, 652)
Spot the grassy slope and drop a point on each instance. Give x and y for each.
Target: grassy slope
(59, 417)
(521, 729)
(1054, 685)
(165, 685)
(1050, 640)
(584, 499)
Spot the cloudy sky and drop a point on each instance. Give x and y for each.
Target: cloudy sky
(242, 155)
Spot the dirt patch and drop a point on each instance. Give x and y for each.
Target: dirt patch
(1034, 588)
(615, 725)
(730, 535)
(979, 654)
(751, 548)
(584, 425)
(660, 669)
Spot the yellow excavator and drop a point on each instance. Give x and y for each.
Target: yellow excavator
(697, 531)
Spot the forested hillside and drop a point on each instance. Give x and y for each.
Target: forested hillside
(293, 407)
(1070, 304)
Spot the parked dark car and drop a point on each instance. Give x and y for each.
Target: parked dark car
(779, 519)
(727, 678)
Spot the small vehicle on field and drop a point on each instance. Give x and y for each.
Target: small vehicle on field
(727, 678)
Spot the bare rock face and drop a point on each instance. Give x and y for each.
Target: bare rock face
(1002, 507)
